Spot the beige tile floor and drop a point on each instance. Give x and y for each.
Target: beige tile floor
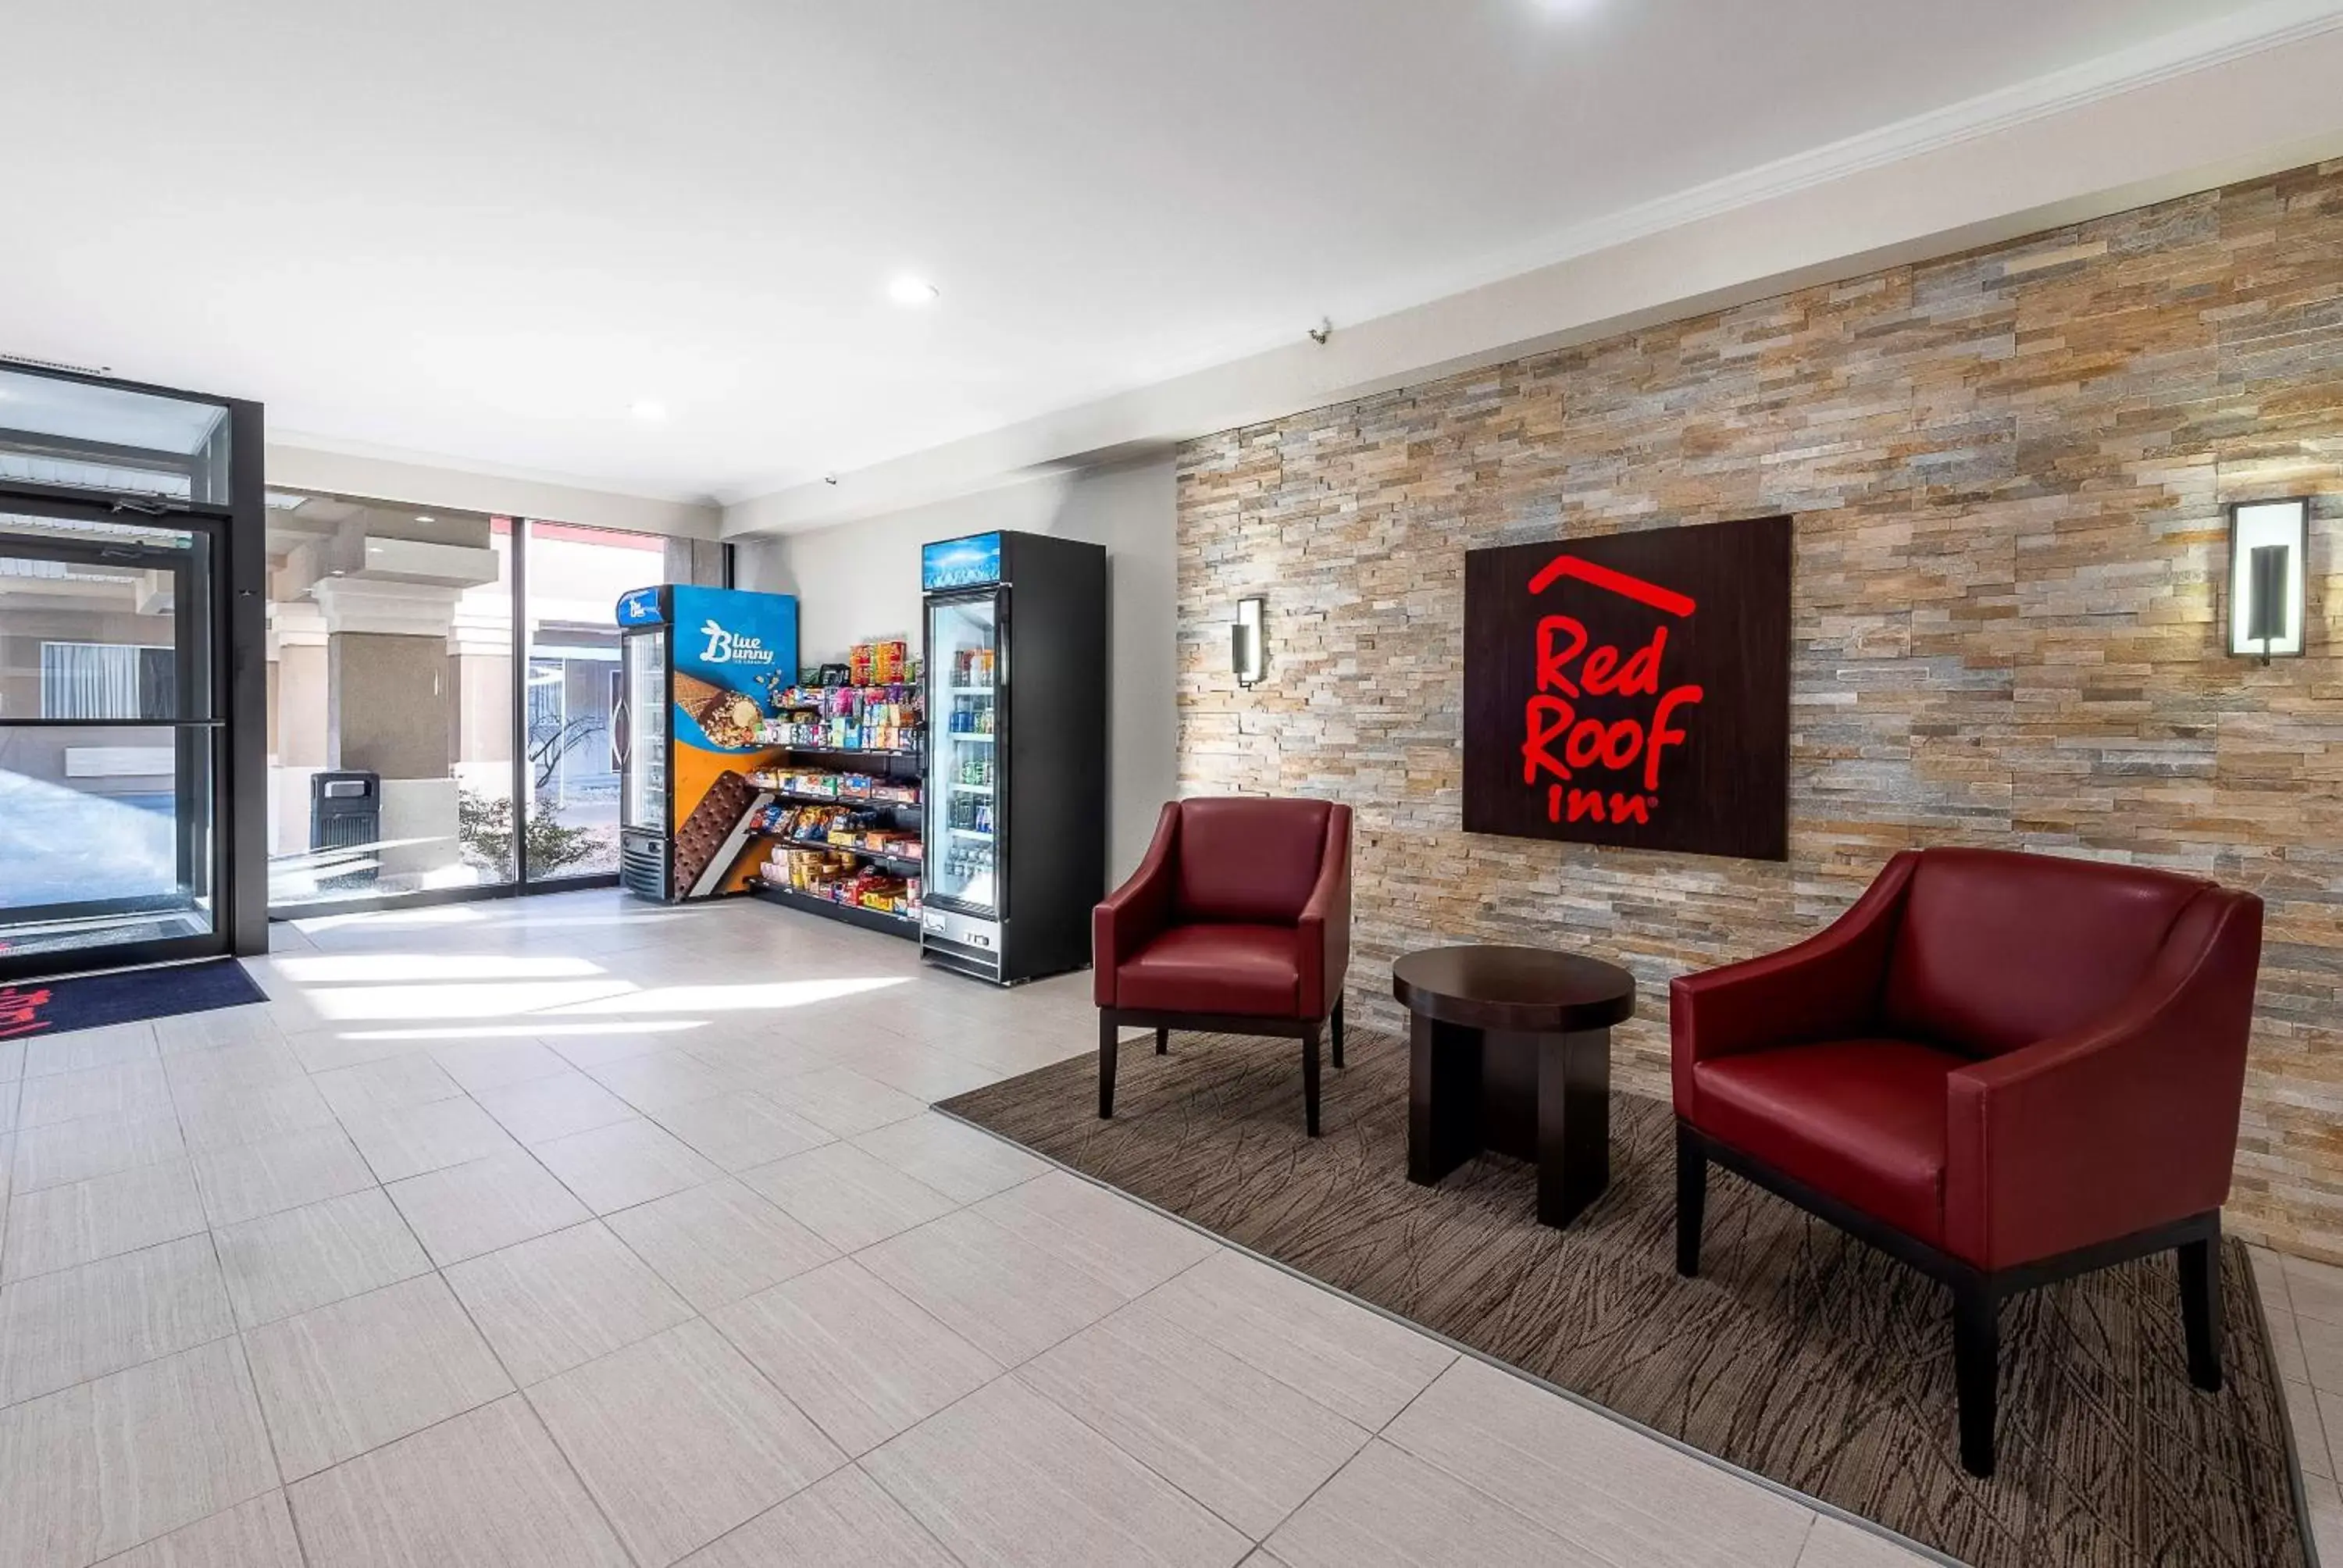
(573, 1231)
(2303, 1301)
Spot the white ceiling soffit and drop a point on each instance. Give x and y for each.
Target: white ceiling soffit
(349, 469)
(2246, 94)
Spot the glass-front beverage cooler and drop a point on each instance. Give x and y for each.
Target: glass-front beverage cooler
(1016, 701)
(640, 757)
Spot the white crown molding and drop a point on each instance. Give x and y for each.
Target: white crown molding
(2273, 24)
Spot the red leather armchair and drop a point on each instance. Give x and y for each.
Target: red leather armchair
(2003, 1069)
(1237, 922)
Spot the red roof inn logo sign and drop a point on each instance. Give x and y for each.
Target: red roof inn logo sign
(1632, 689)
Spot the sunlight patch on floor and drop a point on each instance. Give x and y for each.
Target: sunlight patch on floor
(460, 1000)
(387, 969)
(546, 1028)
(747, 998)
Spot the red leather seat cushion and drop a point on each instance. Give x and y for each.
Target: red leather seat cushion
(1251, 970)
(1997, 952)
(1246, 860)
(1860, 1120)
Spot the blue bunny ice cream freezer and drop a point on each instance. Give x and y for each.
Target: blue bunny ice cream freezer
(698, 671)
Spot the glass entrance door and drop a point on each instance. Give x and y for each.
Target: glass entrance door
(108, 741)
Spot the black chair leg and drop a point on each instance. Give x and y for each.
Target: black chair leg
(1162, 1042)
(1337, 1023)
(1107, 1038)
(1691, 1199)
(1976, 1372)
(2200, 1309)
(1310, 1079)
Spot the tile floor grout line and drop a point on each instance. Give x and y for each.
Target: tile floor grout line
(753, 1367)
(1473, 1484)
(1108, 1438)
(908, 1511)
(1006, 1367)
(520, 1390)
(1011, 1370)
(697, 1316)
(1818, 1505)
(233, 1328)
(275, 1471)
(1374, 1437)
(1262, 1543)
(283, 1487)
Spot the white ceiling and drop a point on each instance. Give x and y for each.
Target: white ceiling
(481, 230)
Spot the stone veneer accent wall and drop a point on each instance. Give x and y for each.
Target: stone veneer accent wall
(2008, 470)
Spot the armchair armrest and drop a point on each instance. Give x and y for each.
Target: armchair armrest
(2127, 1124)
(1825, 986)
(1139, 910)
(1325, 922)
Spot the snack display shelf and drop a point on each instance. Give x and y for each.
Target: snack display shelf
(904, 926)
(873, 731)
(841, 751)
(867, 801)
(858, 849)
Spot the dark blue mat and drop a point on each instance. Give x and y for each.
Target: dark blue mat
(93, 1001)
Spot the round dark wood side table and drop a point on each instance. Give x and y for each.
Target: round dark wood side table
(1510, 1048)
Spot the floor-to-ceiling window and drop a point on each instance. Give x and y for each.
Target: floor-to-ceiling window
(390, 713)
(440, 693)
(575, 577)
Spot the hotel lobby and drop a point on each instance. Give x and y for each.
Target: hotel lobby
(1554, 781)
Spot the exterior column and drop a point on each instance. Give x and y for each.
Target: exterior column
(298, 720)
(480, 685)
(390, 711)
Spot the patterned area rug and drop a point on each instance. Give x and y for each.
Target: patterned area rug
(1800, 1353)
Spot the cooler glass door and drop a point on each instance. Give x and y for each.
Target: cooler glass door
(964, 771)
(641, 726)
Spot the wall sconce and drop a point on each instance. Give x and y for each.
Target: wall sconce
(1248, 641)
(2269, 552)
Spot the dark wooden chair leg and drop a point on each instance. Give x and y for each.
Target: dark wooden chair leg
(1107, 1038)
(1310, 1079)
(1976, 1372)
(1337, 1030)
(2200, 1309)
(1162, 1042)
(1691, 1200)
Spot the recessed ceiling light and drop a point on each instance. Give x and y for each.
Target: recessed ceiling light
(912, 291)
(649, 408)
(425, 517)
